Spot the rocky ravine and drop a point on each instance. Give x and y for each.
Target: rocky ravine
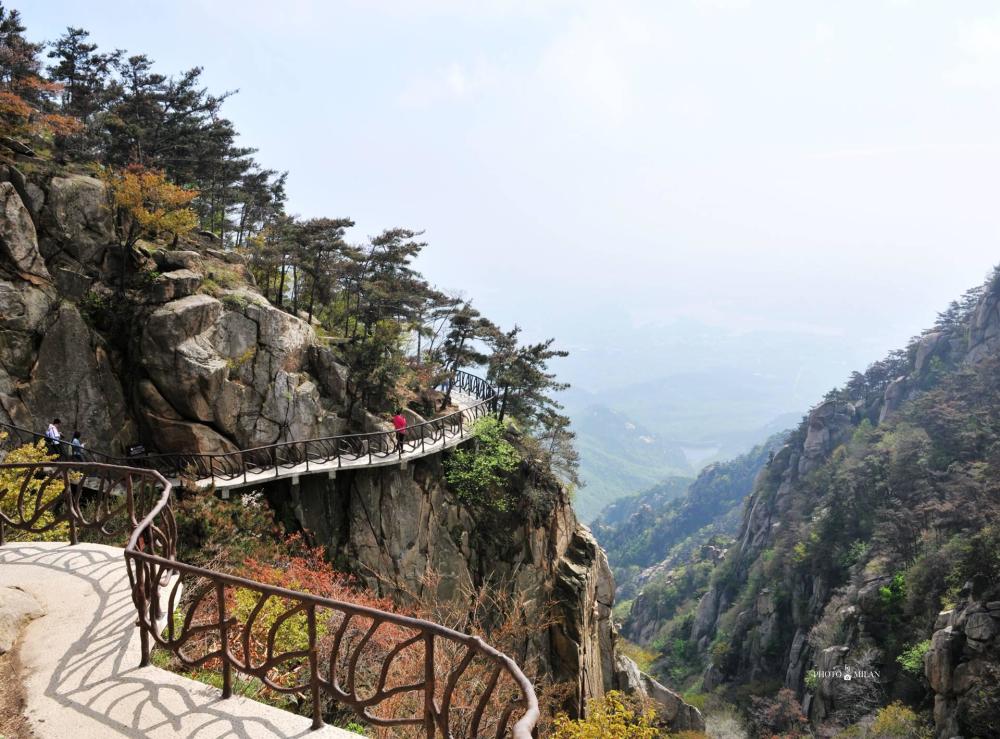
(192, 358)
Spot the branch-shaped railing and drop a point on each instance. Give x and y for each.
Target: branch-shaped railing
(392, 670)
(324, 452)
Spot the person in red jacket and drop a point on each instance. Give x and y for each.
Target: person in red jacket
(399, 422)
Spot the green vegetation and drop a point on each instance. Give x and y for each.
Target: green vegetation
(615, 716)
(39, 495)
(894, 593)
(896, 720)
(644, 658)
(480, 475)
(912, 658)
(893, 521)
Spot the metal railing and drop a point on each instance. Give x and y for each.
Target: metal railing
(423, 675)
(376, 446)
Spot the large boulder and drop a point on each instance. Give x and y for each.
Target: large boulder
(77, 220)
(929, 346)
(174, 285)
(18, 240)
(238, 364)
(984, 331)
(331, 374)
(171, 432)
(73, 379)
(178, 353)
(895, 394)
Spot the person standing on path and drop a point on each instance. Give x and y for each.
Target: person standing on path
(399, 422)
(76, 447)
(53, 436)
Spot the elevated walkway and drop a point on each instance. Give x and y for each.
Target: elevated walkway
(413, 449)
(471, 396)
(80, 659)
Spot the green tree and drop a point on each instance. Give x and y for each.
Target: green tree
(522, 377)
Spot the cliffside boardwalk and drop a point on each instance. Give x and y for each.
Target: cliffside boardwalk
(473, 396)
(460, 687)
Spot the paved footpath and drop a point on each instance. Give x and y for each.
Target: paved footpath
(80, 659)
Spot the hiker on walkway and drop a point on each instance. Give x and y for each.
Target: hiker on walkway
(53, 437)
(76, 447)
(399, 422)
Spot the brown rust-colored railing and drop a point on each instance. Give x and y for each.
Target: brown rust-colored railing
(420, 674)
(250, 465)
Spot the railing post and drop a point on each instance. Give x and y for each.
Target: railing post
(314, 670)
(143, 634)
(305, 447)
(3, 534)
(74, 537)
(429, 686)
(227, 673)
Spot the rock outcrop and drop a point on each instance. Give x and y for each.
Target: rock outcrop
(963, 658)
(177, 368)
(671, 710)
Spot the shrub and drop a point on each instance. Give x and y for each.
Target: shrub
(724, 722)
(912, 658)
(10, 487)
(479, 475)
(615, 716)
(779, 715)
(896, 720)
(893, 593)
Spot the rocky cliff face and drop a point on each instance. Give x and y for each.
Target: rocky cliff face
(401, 531)
(188, 354)
(189, 357)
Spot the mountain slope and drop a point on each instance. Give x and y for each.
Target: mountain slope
(870, 544)
(659, 529)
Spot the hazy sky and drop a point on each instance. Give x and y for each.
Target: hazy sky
(827, 171)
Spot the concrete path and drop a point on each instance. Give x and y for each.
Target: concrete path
(80, 659)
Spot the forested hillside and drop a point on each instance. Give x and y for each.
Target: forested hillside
(870, 546)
